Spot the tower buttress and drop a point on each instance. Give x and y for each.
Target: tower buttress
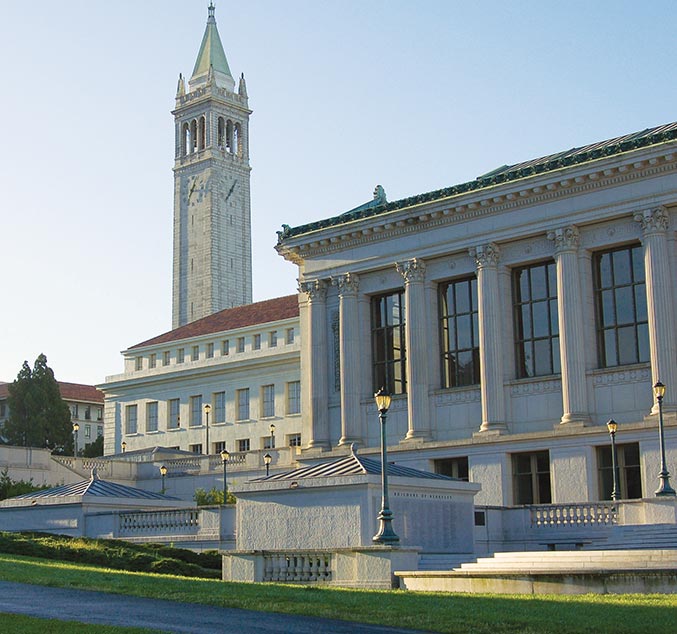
(212, 209)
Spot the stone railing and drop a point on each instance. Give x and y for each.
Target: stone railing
(297, 567)
(183, 464)
(159, 522)
(574, 515)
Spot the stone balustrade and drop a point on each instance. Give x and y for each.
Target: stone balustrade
(574, 515)
(159, 522)
(297, 567)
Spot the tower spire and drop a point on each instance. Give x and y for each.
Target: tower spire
(211, 54)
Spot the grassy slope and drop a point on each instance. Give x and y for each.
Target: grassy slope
(19, 624)
(479, 614)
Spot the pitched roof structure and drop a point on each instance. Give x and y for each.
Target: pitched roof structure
(94, 487)
(352, 465)
(239, 317)
(68, 391)
(503, 174)
(211, 57)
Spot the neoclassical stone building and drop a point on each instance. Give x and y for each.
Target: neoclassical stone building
(511, 317)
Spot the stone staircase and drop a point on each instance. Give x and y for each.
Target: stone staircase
(639, 537)
(645, 569)
(444, 561)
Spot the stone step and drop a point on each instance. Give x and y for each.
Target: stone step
(444, 561)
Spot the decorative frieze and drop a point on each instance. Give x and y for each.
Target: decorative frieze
(621, 376)
(458, 395)
(527, 388)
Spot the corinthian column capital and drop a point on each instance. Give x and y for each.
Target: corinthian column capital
(315, 289)
(565, 238)
(412, 270)
(653, 220)
(347, 283)
(485, 255)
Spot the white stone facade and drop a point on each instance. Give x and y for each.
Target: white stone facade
(542, 236)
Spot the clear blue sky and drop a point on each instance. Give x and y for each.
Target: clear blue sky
(410, 94)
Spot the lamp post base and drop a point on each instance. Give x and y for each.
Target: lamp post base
(386, 534)
(664, 489)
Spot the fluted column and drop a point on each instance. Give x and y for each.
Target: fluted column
(571, 327)
(659, 290)
(489, 318)
(349, 350)
(315, 371)
(416, 342)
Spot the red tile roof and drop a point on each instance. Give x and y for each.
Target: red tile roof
(249, 315)
(69, 392)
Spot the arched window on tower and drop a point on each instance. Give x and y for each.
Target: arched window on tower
(202, 142)
(185, 139)
(220, 133)
(229, 136)
(193, 136)
(237, 140)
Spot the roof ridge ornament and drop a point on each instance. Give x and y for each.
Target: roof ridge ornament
(95, 474)
(210, 13)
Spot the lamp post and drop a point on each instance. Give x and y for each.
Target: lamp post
(385, 534)
(272, 436)
(612, 425)
(266, 461)
(664, 488)
(224, 459)
(207, 408)
(163, 473)
(76, 429)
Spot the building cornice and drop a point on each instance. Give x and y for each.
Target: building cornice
(393, 220)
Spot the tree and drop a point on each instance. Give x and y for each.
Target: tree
(38, 416)
(94, 449)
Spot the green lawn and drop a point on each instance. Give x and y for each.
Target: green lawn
(476, 614)
(19, 624)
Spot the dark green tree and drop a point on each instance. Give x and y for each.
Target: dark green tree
(38, 416)
(94, 449)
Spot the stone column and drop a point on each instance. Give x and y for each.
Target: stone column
(416, 341)
(314, 370)
(571, 327)
(489, 318)
(349, 351)
(659, 290)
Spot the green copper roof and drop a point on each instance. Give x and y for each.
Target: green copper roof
(503, 174)
(211, 50)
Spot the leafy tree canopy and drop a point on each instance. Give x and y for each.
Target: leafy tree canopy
(38, 416)
(94, 449)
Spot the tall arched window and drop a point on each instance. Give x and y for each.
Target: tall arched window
(202, 142)
(237, 140)
(220, 133)
(229, 136)
(185, 139)
(193, 136)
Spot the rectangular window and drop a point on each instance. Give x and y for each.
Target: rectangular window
(240, 344)
(242, 402)
(166, 355)
(138, 363)
(195, 353)
(130, 419)
(151, 416)
(387, 341)
(243, 444)
(195, 448)
(225, 348)
(257, 342)
(3, 409)
(294, 440)
(99, 413)
(210, 351)
(294, 397)
(460, 335)
(195, 411)
(620, 306)
(267, 401)
(453, 467)
(272, 339)
(88, 431)
(88, 412)
(75, 411)
(290, 336)
(268, 442)
(180, 355)
(536, 320)
(99, 431)
(173, 421)
(219, 446)
(531, 478)
(219, 407)
(152, 360)
(628, 473)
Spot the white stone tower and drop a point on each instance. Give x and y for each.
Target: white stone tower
(212, 224)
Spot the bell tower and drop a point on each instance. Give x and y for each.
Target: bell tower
(212, 208)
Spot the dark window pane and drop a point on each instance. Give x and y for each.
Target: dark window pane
(552, 279)
(544, 495)
(554, 321)
(525, 323)
(541, 319)
(643, 343)
(605, 270)
(625, 313)
(538, 285)
(627, 345)
(608, 314)
(638, 264)
(610, 353)
(640, 302)
(621, 264)
(464, 332)
(556, 367)
(522, 285)
(462, 298)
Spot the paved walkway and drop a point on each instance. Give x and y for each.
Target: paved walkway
(168, 616)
